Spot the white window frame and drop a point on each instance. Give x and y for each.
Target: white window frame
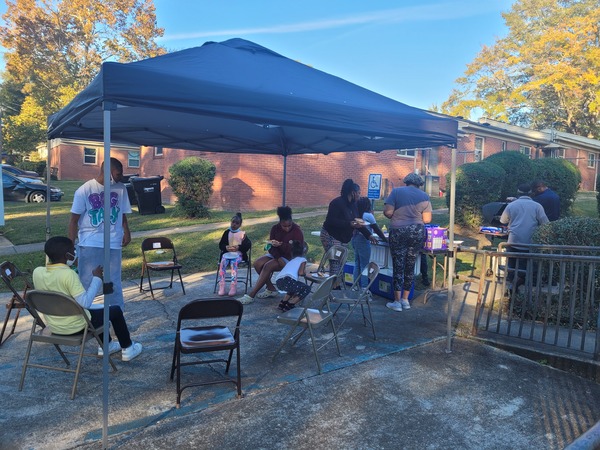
(504, 146)
(158, 152)
(558, 153)
(130, 159)
(526, 150)
(591, 162)
(86, 157)
(479, 149)
(407, 152)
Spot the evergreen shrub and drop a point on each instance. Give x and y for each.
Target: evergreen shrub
(562, 176)
(519, 170)
(192, 183)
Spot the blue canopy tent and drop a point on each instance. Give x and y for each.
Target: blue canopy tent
(239, 97)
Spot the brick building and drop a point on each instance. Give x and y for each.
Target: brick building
(252, 182)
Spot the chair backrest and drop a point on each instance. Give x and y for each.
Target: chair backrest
(320, 298)
(53, 303)
(372, 272)
(210, 308)
(8, 273)
(157, 243)
(335, 253)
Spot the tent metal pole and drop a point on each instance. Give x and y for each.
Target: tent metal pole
(48, 147)
(451, 255)
(284, 178)
(107, 106)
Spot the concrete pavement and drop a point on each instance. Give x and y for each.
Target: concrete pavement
(402, 391)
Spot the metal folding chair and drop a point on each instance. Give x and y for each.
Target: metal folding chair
(244, 265)
(11, 275)
(357, 296)
(209, 338)
(154, 250)
(56, 304)
(336, 253)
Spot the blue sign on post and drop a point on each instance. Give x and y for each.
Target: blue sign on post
(374, 186)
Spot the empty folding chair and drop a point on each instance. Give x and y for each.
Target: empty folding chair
(191, 339)
(11, 275)
(56, 304)
(317, 313)
(158, 255)
(357, 296)
(337, 254)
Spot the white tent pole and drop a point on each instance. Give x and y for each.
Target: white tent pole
(107, 281)
(451, 259)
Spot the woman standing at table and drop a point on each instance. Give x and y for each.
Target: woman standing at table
(408, 209)
(340, 223)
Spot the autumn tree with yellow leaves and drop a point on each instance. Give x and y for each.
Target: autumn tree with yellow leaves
(544, 74)
(53, 49)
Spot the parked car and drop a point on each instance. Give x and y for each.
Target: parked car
(20, 172)
(20, 189)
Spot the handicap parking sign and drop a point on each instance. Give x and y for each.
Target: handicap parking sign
(374, 186)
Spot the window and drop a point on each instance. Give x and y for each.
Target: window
(410, 153)
(90, 155)
(133, 159)
(503, 146)
(526, 150)
(158, 152)
(591, 160)
(478, 154)
(559, 153)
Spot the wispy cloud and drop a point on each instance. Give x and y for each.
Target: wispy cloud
(432, 12)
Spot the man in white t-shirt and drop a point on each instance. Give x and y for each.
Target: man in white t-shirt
(86, 227)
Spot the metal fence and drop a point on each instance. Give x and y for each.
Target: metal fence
(546, 294)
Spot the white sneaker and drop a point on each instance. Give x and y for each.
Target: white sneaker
(131, 352)
(405, 304)
(246, 299)
(395, 306)
(267, 293)
(113, 347)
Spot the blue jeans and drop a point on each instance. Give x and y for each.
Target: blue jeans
(90, 257)
(362, 256)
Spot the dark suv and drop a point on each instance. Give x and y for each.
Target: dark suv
(20, 189)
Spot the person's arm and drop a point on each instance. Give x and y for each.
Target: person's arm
(245, 246)
(87, 297)
(505, 217)
(427, 216)
(224, 242)
(378, 232)
(126, 232)
(73, 226)
(388, 210)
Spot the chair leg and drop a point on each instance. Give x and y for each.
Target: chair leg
(371, 320)
(7, 319)
(26, 363)
(181, 281)
(285, 339)
(172, 276)
(229, 361)
(178, 404)
(175, 348)
(314, 346)
(150, 284)
(79, 360)
(62, 354)
(239, 373)
(142, 278)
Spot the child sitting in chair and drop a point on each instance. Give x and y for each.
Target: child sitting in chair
(234, 246)
(57, 276)
(287, 280)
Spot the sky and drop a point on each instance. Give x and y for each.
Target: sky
(408, 50)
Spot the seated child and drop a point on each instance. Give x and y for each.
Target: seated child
(57, 276)
(233, 240)
(287, 279)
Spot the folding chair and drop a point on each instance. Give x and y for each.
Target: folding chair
(244, 265)
(356, 296)
(10, 274)
(209, 338)
(153, 254)
(310, 318)
(336, 253)
(56, 304)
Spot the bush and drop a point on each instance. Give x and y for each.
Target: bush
(562, 177)
(518, 166)
(581, 231)
(36, 166)
(192, 180)
(476, 185)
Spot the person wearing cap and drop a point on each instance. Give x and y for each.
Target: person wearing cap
(522, 216)
(408, 209)
(547, 198)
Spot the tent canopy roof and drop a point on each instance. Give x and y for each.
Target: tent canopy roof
(236, 96)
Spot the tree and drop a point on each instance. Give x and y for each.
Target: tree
(55, 48)
(544, 74)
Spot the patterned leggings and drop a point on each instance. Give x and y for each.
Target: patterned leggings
(405, 243)
(234, 267)
(329, 241)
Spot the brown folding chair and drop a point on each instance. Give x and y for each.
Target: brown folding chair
(57, 304)
(154, 250)
(11, 276)
(209, 338)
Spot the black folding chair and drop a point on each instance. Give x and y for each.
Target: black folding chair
(11, 275)
(154, 250)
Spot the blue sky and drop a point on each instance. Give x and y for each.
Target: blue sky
(409, 50)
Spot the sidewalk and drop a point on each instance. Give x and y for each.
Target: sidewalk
(402, 391)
